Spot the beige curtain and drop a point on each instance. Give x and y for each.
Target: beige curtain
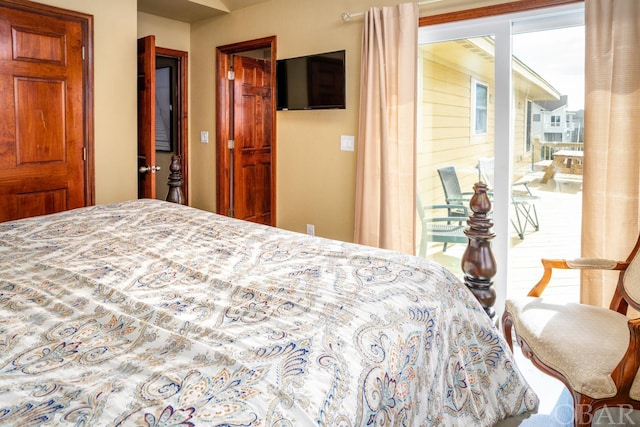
(611, 188)
(385, 176)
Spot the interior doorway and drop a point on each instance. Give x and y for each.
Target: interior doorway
(245, 123)
(172, 116)
(162, 117)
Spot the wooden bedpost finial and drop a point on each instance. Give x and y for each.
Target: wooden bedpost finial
(478, 262)
(175, 181)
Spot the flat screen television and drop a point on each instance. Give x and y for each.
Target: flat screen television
(311, 82)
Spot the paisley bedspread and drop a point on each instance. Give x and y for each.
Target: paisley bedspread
(149, 313)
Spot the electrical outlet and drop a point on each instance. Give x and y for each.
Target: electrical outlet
(311, 230)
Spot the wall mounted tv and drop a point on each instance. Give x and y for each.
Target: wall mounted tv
(311, 82)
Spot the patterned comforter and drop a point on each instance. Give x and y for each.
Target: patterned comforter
(151, 313)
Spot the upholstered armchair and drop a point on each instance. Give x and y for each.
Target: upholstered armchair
(594, 351)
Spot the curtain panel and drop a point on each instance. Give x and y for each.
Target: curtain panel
(385, 209)
(611, 186)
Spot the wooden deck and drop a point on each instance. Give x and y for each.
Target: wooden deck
(559, 213)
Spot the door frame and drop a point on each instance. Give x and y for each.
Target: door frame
(86, 23)
(224, 116)
(182, 113)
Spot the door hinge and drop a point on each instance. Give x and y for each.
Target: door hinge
(84, 153)
(231, 75)
(231, 144)
(83, 53)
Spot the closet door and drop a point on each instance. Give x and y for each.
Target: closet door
(42, 131)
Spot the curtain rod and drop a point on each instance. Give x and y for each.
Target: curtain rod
(346, 16)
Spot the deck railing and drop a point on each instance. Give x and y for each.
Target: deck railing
(544, 150)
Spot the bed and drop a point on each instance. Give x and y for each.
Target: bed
(150, 313)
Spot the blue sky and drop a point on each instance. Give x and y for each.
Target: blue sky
(558, 57)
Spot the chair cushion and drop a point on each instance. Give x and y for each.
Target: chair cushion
(582, 342)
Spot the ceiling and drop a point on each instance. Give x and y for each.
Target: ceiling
(192, 10)
(195, 10)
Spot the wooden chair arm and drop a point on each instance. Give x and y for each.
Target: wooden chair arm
(596, 264)
(573, 264)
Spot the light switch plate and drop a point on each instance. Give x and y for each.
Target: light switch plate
(347, 142)
(204, 137)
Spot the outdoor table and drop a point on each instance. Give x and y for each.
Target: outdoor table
(564, 161)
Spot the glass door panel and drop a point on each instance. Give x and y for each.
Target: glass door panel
(548, 142)
(455, 129)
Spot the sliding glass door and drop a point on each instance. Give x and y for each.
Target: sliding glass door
(499, 97)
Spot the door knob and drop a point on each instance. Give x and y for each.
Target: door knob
(147, 169)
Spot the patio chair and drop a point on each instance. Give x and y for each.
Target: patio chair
(445, 229)
(451, 186)
(453, 194)
(594, 351)
(522, 199)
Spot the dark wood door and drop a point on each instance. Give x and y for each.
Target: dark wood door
(252, 134)
(42, 126)
(147, 117)
(245, 114)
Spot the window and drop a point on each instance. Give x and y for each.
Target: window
(552, 137)
(555, 121)
(480, 104)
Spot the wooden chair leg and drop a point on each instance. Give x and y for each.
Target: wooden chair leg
(507, 324)
(582, 410)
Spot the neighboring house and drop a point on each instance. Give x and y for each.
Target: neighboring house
(552, 122)
(549, 120)
(553, 126)
(456, 111)
(575, 126)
